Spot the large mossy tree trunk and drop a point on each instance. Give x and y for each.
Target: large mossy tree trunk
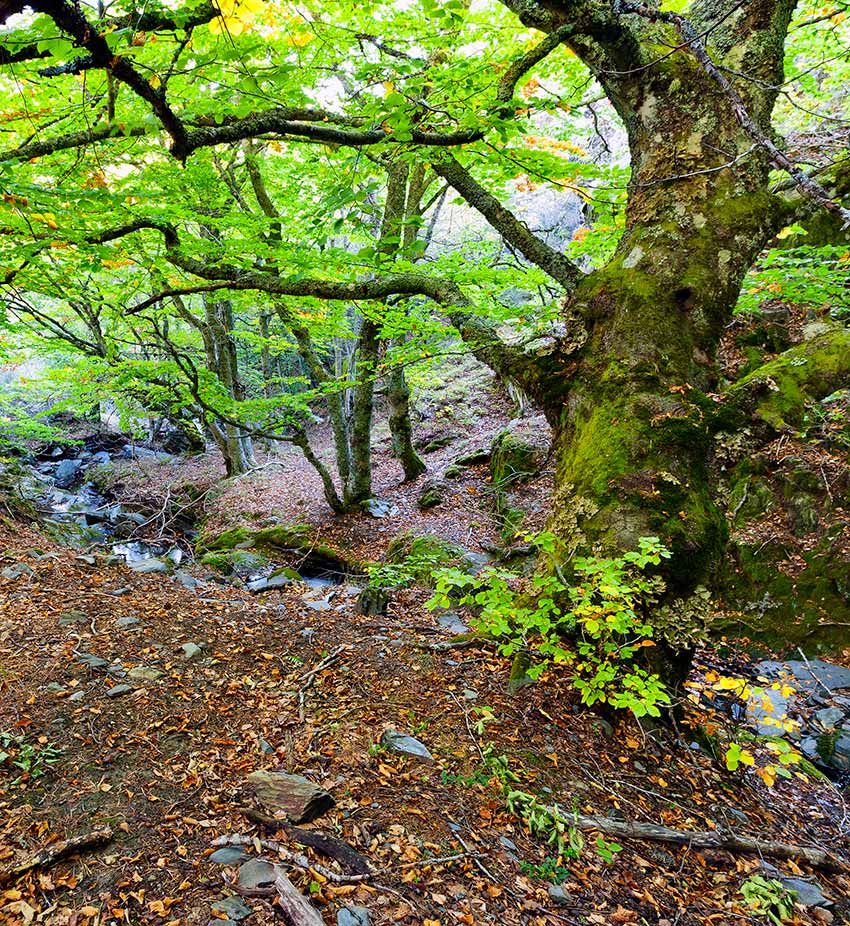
(630, 407)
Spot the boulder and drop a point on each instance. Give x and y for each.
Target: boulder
(433, 492)
(289, 797)
(67, 473)
(379, 508)
(519, 453)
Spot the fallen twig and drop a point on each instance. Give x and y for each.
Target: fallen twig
(710, 839)
(50, 855)
(310, 677)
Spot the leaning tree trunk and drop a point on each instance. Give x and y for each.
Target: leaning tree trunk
(401, 430)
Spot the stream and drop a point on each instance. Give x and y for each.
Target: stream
(75, 512)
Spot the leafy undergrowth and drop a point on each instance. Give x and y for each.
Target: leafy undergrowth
(165, 764)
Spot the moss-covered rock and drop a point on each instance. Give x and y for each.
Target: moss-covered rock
(226, 540)
(519, 453)
(432, 494)
(296, 539)
(237, 562)
(790, 604)
(424, 553)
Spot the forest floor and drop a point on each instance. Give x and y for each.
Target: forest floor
(164, 763)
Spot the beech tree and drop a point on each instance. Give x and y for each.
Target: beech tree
(624, 363)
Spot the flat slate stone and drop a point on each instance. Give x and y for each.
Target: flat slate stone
(258, 875)
(92, 661)
(290, 797)
(272, 582)
(233, 908)
(119, 690)
(406, 745)
(229, 855)
(765, 712)
(353, 916)
(452, 623)
(125, 622)
(73, 617)
(811, 675)
(145, 673)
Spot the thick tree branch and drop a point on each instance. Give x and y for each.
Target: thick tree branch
(515, 232)
(695, 44)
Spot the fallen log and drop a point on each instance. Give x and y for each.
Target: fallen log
(709, 839)
(329, 846)
(50, 855)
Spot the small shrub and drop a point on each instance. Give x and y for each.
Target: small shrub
(596, 623)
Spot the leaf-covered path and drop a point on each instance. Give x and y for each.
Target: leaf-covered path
(215, 681)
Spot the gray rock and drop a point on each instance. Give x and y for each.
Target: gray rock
(290, 797)
(379, 508)
(119, 690)
(187, 581)
(151, 565)
(67, 473)
(258, 875)
(765, 711)
(840, 757)
(92, 661)
(272, 582)
(125, 622)
(234, 908)
(191, 650)
(559, 896)
(829, 717)
(811, 675)
(16, 571)
(452, 623)
(77, 696)
(318, 604)
(100, 458)
(145, 673)
(352, 916)
(470, 694)
(808, 893)
(406, 745)
(88, 560)
(809, 748)
(124, 590)
(73, 617)
(229, 855)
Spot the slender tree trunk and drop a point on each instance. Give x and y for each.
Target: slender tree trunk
(360, 483)
(398, 397)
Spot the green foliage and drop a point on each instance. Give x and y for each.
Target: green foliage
(769, 898)
(596, 623)
(547, 870)
(547, 823)
(32, 759)
(804, 275)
